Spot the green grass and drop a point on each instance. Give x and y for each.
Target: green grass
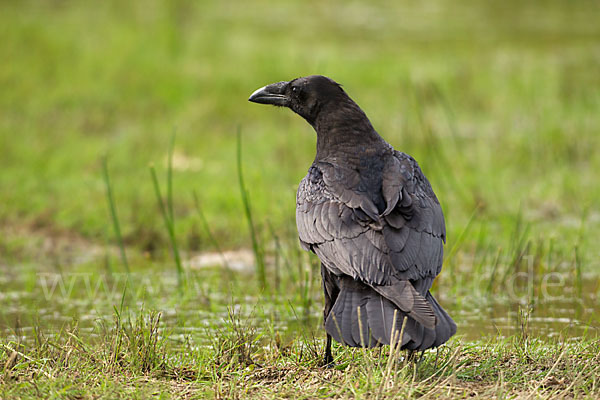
(134, 358)
(499, 103)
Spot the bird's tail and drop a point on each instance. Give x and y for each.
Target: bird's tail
(361, 317)
(445, 326)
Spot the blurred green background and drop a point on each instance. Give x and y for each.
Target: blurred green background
(499, 103)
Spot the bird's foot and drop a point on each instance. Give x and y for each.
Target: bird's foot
(415, 356)
(328, 361)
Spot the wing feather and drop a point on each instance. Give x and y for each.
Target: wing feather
(386, 248)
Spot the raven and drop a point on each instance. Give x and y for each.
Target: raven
(370, 215)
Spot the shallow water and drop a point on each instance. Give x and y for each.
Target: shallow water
(52, 301)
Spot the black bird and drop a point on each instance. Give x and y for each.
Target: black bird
(370, 215)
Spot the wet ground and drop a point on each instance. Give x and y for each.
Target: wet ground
(32, 296)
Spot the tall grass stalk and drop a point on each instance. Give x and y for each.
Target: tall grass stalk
(437, 148)
(169, 224)
(578, 253)
(209, 233)
(170, 178)
(113, 212)
(256, 246)
(280, 253)
(497, 260)
(460, 240)
(578, 274)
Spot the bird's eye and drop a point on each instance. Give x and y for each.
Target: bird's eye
(294, 89)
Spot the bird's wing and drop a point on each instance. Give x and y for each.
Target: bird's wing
(350, 235)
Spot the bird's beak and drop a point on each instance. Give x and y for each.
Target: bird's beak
(271, 94)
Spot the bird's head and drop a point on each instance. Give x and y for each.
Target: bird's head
(305, 96)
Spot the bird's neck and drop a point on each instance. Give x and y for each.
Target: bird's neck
(344, 131)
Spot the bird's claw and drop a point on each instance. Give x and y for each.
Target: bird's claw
(328, 362)
(328, 365)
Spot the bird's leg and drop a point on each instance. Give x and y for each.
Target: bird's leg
(421, 357)
(331, 291)
(415, 356)
(328, 359)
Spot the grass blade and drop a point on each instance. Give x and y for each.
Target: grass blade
(113, 213)
(170, 178)
(257, 249)
(170, 225)
(208, 232)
